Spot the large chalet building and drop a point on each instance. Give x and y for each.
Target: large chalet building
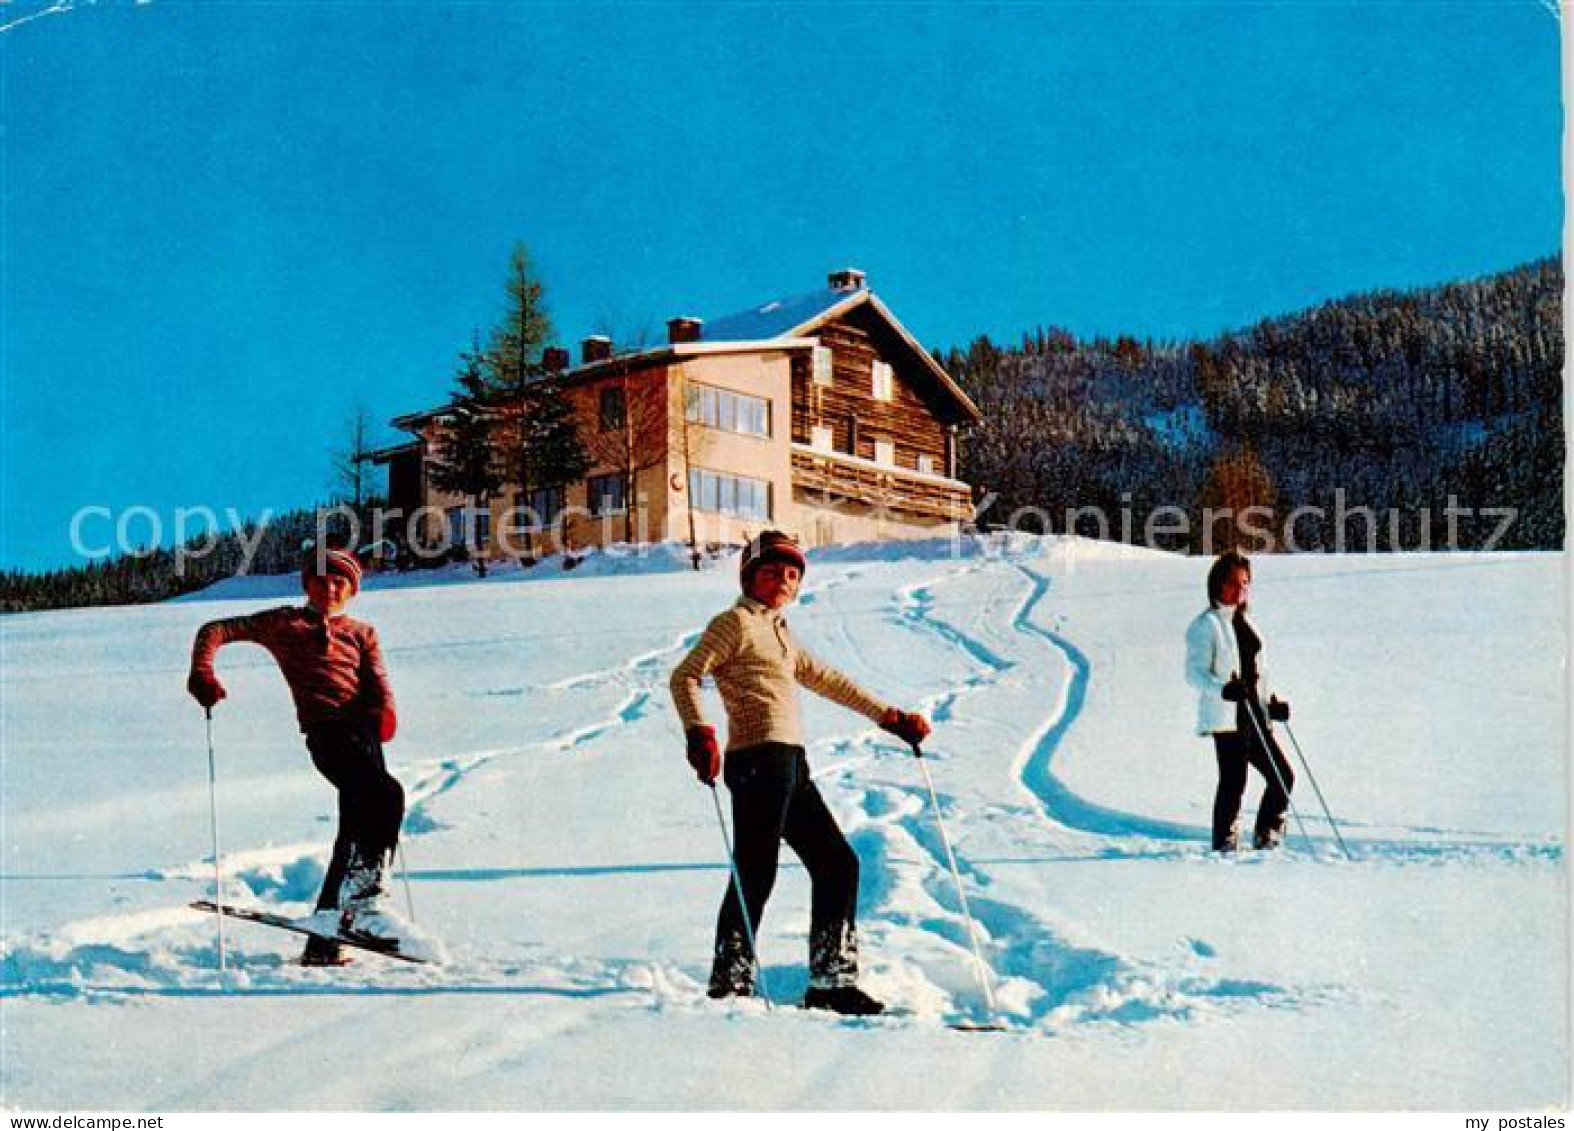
(818, 414)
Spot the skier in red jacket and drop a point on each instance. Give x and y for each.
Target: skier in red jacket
(334, 667)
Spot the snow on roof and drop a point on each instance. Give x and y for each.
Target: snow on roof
(776, 318)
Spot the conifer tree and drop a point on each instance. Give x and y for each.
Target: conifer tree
(467, 462)
(538, 435)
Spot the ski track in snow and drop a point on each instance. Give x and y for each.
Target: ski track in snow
(93, 956)
(1038, 752)
(1064, 806)
(1043, 981)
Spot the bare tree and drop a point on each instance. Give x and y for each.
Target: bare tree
(351, 474)
(630, 435)
(688, 441)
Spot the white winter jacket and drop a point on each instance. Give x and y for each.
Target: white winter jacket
(1211, 659)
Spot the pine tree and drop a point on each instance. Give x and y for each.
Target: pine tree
(554, 454)
(538, 434)
(467, 462)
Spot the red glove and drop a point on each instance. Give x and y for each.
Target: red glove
(910, 728)
(205, 689)
(704, 754)
(387, 723)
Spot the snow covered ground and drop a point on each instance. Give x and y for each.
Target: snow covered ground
(557, 840)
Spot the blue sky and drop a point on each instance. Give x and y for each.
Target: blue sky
(225, 224)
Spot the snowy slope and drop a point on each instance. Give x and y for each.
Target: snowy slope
(559, 843)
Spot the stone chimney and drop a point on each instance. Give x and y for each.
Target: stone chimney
(554, 359)
(597, 347)
(847, 279)
(684, 329)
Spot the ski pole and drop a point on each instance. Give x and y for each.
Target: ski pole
(404, 877)
(956, 875)
(213, 820)
(743, 904)
(1273, 764)
(1307, 766)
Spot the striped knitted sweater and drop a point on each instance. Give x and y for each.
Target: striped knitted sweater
(334, 665)
(758, 665)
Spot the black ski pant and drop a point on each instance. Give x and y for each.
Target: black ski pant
(371, 801)
(774, 800)
(1236, 750)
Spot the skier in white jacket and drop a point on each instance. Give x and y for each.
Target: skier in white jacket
(1224, 663)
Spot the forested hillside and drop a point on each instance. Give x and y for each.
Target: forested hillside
(1388, 401)
(159, 573)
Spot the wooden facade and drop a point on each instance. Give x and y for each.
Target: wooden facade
(910, 420)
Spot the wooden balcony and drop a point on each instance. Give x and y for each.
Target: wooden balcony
(835, 476)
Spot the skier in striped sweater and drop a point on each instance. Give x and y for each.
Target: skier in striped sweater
(334, 667)
(758, 665)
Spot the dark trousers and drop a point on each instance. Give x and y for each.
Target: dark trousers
(774, 800)
(371, 801)
(1236, 750)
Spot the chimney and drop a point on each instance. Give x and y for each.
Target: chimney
(554, 359)
(684, 329)
(847, 279)
(597, 347)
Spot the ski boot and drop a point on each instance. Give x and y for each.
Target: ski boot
(849, 1001)
(321, 952)
(363, 900)
(732, 968)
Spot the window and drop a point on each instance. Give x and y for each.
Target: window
(822, 365)
(469, 526)
(820, 437)
(885, 453)
(729, 412)
(926, 464)
(614, 412)
(541, 510)
(882, 381)
(734, 495)
(607, 494)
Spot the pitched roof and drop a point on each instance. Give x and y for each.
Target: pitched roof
(779, 317)
(782, 320)
(799, 315)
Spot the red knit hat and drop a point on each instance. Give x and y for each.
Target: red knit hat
(323, 562)
(771, 546)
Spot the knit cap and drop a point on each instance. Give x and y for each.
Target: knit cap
(771, 546)
(323, 562)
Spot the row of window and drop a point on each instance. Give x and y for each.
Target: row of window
(734, 495)
(728, 411)
(721, 409)
(714, 492)
(604, 494)
(882, 384)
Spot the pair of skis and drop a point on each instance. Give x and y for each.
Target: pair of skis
(391, 949)
(388, 948)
